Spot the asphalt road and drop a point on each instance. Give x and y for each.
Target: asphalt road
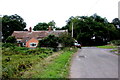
(91, 62)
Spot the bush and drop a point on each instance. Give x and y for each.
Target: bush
(66, 40)
(115, 42)
(50, 41)
(6, 45)
(11, 39)
(38, 51)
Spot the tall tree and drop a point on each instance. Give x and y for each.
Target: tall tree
(116, 23)
(41, 26)
(44, 26)
(52, 23)
(92, 30)
(11, 23)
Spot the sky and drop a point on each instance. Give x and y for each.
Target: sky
(35, 11)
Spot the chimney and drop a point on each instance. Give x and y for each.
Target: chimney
(49, 29)
(30, 29)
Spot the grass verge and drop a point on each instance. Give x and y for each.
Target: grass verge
(55, 66)
(107, 47)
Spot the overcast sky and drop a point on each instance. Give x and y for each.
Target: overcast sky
(35, 11)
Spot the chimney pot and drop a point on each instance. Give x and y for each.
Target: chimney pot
(49, 29)
(30, 29)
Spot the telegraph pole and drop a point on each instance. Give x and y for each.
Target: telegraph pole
(72, 29)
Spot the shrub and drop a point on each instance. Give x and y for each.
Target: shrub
(38, 51)
(6, 45)
(50, 41)
(66, 40)
(115, 42)
(11, 39)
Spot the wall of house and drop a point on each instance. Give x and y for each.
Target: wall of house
(33, 40)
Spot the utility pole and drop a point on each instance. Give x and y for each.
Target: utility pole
(72, 29)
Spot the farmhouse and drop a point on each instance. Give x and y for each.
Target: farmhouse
(31, 38)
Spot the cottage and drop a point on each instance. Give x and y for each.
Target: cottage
(31, 38)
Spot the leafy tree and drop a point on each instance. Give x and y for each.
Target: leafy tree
(11, 39)
(44, 26)
(66, 40)
(52, 24)
(50, 41)
(11, 23)
(85, 28)
(116, 23)
(41, 26)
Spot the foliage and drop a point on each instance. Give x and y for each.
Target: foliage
(52, 24)
(87, 27)
(15, 62)
(38, 51)
(11, 23)
(11, 39)
(50, 41)
(11, 49)
(116, 21)
(66, 40)
(44, 26)
(115, 42)
(41, 26)
(7, 45)
(17, 65)
(55, 66)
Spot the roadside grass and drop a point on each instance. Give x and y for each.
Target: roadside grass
(55, 66)
(19, 62)
(114, 48)
(107, 47)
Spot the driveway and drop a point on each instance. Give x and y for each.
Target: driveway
(92, 62)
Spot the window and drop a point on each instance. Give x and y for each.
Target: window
(33, 44)
(18, 41)
(24, 44)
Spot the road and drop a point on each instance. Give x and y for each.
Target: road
(91, 62)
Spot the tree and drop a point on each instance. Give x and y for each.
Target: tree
(11, 23)
(44, 26)
(52, 23)
(66, 40)
(11, 39)
(87, 27)
(116, 23)
(41, 26)
(50, 41)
